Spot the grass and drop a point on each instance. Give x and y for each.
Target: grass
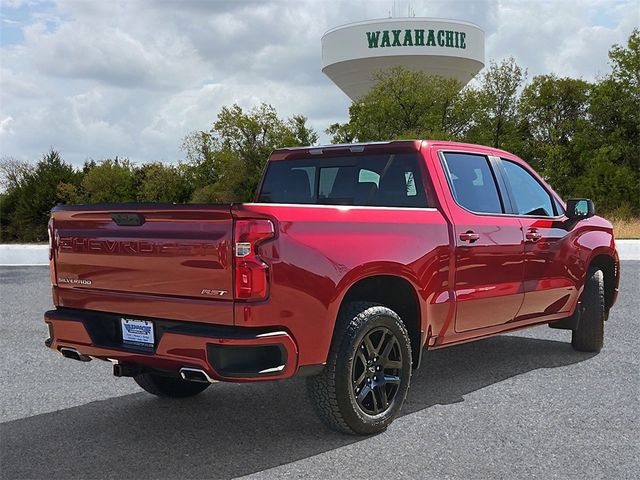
(629, 228)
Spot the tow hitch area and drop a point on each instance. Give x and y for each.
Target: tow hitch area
(126, 370)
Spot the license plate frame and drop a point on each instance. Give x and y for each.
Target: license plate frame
(136, 332)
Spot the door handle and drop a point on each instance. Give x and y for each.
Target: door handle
(533, 236)
(469, 237)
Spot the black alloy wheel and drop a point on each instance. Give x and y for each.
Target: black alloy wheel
(376, 371)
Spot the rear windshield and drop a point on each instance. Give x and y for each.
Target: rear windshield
(389, 180)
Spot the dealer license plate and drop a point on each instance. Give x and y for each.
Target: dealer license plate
(137, 332)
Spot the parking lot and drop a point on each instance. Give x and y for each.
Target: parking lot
(521, 405)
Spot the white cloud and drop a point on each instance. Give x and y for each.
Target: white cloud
(560, 37)
(5, 126)
(17, 85)
(109, 54)
(131, 78)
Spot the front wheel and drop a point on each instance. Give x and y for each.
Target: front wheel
(588, 336)
(366, 379)
(162, 386)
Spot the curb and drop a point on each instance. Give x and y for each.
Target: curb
(20, 255)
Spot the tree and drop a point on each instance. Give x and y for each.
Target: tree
(407, 103)
(161, 183)
(495, 120)
(110, 181)
(301, 134)
(611, 151)
(553, 113)
(225, 163)
(13, 173)
(26, 212)
(341, 132)
(615, 189)
(200, 168)
(625, 62)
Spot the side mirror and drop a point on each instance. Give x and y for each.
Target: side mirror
(580, 208)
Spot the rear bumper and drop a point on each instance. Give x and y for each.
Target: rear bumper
(225, 353)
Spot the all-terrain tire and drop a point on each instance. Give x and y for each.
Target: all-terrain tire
(335, 393)
(169, 386)
(588, 336)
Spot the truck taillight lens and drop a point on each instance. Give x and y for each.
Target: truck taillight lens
(252, 274)
(52, 252)
(50, 232)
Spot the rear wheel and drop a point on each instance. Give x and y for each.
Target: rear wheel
(366, 379)
(169, 386)
(588, 336)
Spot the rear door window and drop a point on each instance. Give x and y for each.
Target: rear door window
(389, 180)
(472, 182)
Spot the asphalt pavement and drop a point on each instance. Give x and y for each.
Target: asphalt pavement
(523, 405)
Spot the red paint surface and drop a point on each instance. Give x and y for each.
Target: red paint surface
(168, 267)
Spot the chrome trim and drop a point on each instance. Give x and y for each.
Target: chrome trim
(271, 370)
(195, 370)
(270, 334)
(81, 357)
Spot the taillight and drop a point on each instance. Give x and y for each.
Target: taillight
(252, 274)
(52, 251)
(50, 232)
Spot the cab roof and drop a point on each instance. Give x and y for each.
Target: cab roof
(392, 146)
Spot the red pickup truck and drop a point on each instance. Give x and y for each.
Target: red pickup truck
(352, 260)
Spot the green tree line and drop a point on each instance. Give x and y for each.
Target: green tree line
(583, 137)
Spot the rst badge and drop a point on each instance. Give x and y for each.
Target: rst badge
(213, 293)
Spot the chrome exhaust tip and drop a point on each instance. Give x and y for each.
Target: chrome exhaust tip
(195, 375)
(74, 354)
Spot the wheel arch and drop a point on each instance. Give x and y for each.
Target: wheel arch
(398, 294)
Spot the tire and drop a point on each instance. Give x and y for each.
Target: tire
(169, 386)
(589, 334)
(368, 371)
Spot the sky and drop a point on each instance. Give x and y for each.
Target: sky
(96, 79)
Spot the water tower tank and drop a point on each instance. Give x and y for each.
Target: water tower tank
(352, 53)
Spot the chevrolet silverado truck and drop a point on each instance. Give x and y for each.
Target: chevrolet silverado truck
(352, 261)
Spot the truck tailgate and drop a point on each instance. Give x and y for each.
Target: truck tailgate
(164, 250)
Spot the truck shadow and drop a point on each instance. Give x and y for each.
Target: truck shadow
(232, 429)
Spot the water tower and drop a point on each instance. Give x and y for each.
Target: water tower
(352, 53)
